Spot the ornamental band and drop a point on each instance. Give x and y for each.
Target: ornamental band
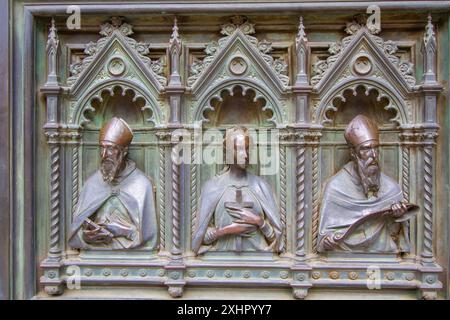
(116, 209)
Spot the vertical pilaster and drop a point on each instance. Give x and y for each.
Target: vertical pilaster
(52, 278)
(6, 283)
(176, 267)
(301, 90)
(430, 90)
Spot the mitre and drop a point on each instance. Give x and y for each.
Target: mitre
(361, 129)
(117, 131)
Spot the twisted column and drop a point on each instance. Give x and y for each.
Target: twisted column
(175, 204)
(283, 194)
(162, 197)
(55, 250)
(427, 251)
(315, 185)
(300, 204)
(194, 193)
(405, 172)
(75, 177)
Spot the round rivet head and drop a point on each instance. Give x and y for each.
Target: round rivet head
(124, 273)
(430, 279)
(301, 277)
(106, 272)
(88, 272)
(143, 272)
(246, 274)
(353, 275)
(228, 274)
(192, 274)
(409, 276)
(265, 274)
(175, 275)
(334, 275)
(390, 276)
(51, 274)
(210, 274)
(284, 274)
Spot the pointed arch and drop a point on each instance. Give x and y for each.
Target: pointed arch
(384, 90)
(271, 104)
(78, 116)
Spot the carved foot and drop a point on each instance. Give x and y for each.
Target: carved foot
(55, 290)
(429, 295)
(299, 293)
(176, 292)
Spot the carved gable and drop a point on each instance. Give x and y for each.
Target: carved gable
(117, 56)
(239, 55)
(363, 55)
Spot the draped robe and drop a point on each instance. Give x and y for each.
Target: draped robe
(344, 202)
(128, 201)
(211, 205)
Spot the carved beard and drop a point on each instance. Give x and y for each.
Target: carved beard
(110, 169)
(369, 173)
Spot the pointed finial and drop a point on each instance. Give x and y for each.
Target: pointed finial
(301, 43)
(175, 35)
(175, 41)
(429, 30)
(301, 36)
(175, 52)
(53, 39)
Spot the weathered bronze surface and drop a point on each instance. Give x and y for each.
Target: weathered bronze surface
(289, 211)
(358, 190)
(116, 209)
(238, 211)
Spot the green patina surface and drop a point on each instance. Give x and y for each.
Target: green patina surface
(146, 156)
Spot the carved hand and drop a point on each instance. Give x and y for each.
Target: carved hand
(119, 230)
(399, 209)
(99, 235)
(329, 243)
(236, 229)
(246, 216)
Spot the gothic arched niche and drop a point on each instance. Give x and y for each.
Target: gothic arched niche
(361, 101)
(238, 107)
(116, 103)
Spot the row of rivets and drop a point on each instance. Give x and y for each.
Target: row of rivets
(352, 275)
